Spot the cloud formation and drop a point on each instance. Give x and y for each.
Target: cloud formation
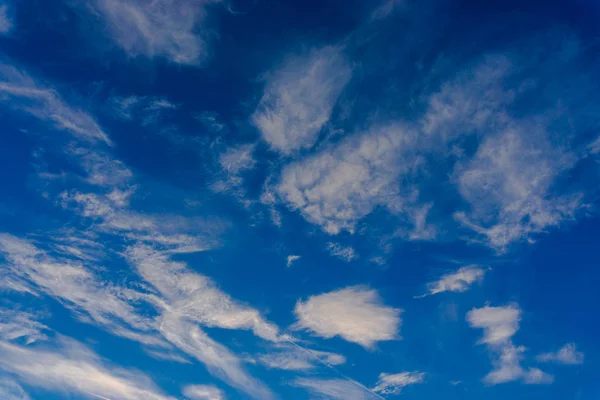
(567, 354)
(394, 383)
(458, 281)
(355, 314)
(203, 392)
(335, 389)
(499, 325)
(296, 358)
(27, 96)
(299, 97)
(341, 184)
(160, 28)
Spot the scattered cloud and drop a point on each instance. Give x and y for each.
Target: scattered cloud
(299, 98)
(147, 109)
(335, 389)
(499, 325)
(291, 259)
(74, 368)
(161, 28)
(15, 324)
(339, 185)
(508, 184)
(345, 253)
(237, 159)
(291, 357)
(356, 314)
(568, 354)
(25, 95)
(394, 383)
(458, 281)
(203, 392)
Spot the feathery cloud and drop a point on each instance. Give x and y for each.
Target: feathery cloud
(203, 392)
(160, 28)
(355, 314)
(25, 95)
(295, 358)
(335, 389)
(291, 259)
(567, 354)
(458, 281)
(394, 383)
(299, 98)
(74, 368)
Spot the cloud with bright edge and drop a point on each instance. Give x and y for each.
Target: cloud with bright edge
(160, 28)
(394, 383)
(499, 325)
(567, 354)
(291, 259)
(355, 314)
(26, 96)
(203, 392)
(299, 98)
(457, 281)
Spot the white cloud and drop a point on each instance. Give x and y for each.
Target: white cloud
(394, 383)
(74, 368)
(160, 28)
(291, 259)
(499, 325)
(6, 21)
(194, 296)
(508, 184)
(568, 354)
(458, 281)
(22, 93)
(339, 185)
(356, 314)
(345, 253)
(335, 389)
(219, 361)
(15, 324)
(203, 392)
(76, 287)
(594, 147)
(237, 159)
(299, 97)
(296, 358)
(472, 101)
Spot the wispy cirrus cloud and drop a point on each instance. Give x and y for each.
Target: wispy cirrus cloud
(299, 98)
(355, 314)
(25, 95)
(568, 355)
(11, 390)
(457, 281)
(74, 368)
(394, 383)
(335, 389)
(508, 184)
(161, 28)
(291, 357)
(203, 392)
(499, 325)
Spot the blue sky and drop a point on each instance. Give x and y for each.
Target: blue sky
(255, 199)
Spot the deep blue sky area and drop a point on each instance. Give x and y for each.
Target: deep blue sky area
(338, 200)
